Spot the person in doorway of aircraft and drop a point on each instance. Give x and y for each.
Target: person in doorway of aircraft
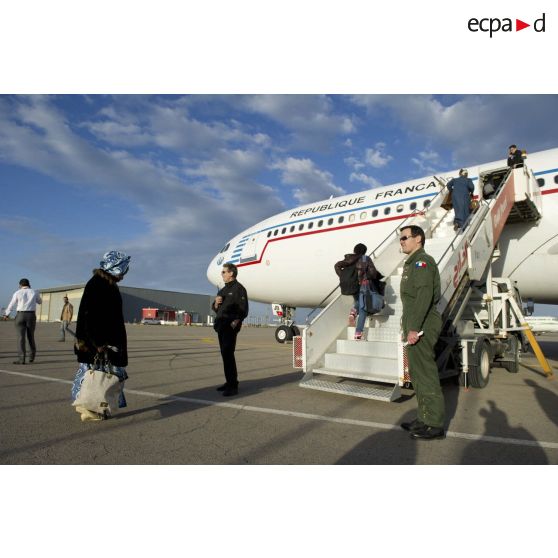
(366, 275)
(421, 324)
(461, 189)
(231, 307)
(515, 157)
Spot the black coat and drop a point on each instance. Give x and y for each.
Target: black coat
(233, 307)
(101, 322)
(515, 160)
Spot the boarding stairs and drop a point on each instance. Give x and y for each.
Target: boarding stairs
(376, 368)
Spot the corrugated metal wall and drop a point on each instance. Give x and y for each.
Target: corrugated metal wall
(133, 300)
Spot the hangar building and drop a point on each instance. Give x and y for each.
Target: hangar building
(133, 301)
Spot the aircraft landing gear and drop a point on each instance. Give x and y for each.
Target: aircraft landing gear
(287, 330)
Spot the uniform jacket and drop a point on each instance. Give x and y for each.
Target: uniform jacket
(101, 322)
(233, 307)
(420, 292)
(67, 312)
(366, 270)
(516, 159)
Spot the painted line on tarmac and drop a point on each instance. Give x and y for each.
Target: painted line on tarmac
(307, 416)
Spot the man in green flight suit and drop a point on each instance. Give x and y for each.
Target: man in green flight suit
(421, 322)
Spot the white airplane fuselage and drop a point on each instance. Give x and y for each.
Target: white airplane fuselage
(289, 257)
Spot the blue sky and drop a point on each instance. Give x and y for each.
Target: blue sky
(169, 179)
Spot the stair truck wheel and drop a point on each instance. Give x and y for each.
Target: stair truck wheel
(512, 366)
(295, 331)
(479, 364)
(283, 333)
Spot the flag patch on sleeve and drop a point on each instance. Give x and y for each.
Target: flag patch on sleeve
(420, 263)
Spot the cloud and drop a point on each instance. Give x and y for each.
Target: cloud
(473, 128)
(311, 184)
(354, 163)
(362, 177)
(376, 157)
(311, 119)
(427, 161)
(188, 210)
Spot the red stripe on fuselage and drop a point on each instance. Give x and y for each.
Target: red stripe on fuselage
(554, 191)
(398, 218)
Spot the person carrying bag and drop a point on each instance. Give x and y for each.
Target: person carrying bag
(360, 265)
(101, 342)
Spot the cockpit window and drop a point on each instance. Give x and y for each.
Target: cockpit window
(225, 248)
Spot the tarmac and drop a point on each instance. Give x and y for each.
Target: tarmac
(176, 416)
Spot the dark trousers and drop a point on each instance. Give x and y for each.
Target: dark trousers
(227, 344)
(25, 324)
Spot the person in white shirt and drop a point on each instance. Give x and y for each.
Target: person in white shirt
(25, 301)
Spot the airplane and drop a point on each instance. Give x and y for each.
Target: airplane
(287, 260)
(543, 324)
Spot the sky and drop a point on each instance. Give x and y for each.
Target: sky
(169, 179)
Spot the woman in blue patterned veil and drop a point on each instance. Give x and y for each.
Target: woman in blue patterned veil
(100, 327)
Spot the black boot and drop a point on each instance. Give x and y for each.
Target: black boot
(428, 433)
(413, 425)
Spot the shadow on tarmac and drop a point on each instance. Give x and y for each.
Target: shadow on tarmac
(395, 446)
(496, 424)
(171, 407)
(547, 400)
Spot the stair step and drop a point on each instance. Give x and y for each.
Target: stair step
(381, 393)
(376, 334)
(380, 376)
(360, 364)
(384, 349)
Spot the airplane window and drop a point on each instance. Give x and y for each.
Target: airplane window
(292, 229)
(426, 203)
(225, 248)
(330, 221)
(310, 225)
(540, 182)
(275, 232)
(375, 213)
(556, 178)
(413, 206)
(399, 208)
(352, 217)
(363, 216)
(268, 234)
(320, 223)
(284, 230)
(387, 210)
(341, 219)
(301, 226)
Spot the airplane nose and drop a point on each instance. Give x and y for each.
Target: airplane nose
(214, 272)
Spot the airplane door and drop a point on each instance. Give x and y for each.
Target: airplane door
(250, 250)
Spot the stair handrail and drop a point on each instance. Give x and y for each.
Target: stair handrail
(415, 212)
(474, 218)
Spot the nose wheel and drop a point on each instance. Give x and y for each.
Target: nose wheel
(286, 333)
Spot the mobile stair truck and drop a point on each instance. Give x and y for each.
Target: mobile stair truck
(483, 323)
